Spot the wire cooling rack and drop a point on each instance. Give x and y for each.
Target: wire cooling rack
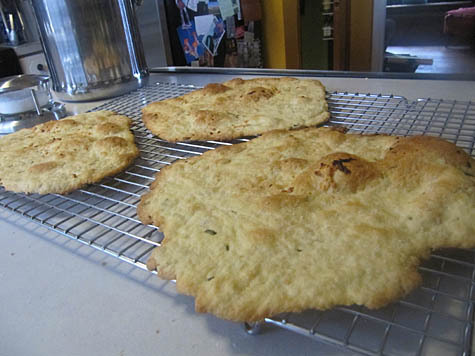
(437, 318)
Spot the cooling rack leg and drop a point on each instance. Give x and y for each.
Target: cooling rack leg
(253, 328)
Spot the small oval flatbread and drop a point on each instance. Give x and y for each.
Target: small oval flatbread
(238, 108)
(64, 155)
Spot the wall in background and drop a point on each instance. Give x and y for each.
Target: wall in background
(281, 34)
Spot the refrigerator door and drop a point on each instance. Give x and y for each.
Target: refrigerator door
(153, 29)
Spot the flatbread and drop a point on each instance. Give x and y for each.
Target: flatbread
(64, 155)
(238, 108)
(309, 218)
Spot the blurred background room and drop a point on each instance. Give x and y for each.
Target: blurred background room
(399, 36)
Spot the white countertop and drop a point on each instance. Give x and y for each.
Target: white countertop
(59, 297)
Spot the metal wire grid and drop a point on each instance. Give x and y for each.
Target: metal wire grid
(434, 319)
(369, 113)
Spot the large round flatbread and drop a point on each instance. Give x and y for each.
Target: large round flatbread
(238, 108)
(310, 218)
(64, 155)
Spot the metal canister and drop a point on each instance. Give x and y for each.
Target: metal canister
(92, 47)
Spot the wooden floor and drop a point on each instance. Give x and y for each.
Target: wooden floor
(451, 59)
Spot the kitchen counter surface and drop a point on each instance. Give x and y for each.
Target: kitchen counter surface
(59, 297)
(411, 89)
(354, 82)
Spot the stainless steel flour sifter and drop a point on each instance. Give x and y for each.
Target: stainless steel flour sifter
(93, 47)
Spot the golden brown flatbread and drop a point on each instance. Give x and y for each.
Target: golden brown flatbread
(238, 108)
(64, 155)
(309, 218)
